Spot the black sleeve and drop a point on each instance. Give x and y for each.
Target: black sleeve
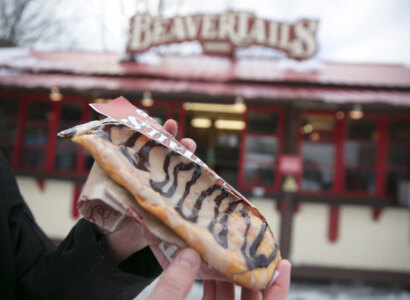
(77, 269)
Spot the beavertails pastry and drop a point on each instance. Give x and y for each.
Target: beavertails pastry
(229, 233)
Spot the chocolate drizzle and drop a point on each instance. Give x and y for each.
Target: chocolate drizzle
(105, 131)
(143, 154)
(189, 184)
(221, 237)
(254, 260)
(259, 260)
(141, 161)
(198, 203)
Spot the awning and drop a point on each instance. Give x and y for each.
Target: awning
(206, 68)
(120, 85)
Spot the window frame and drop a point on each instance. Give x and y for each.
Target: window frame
(381, 166)
(47, 169)
(276, 185)
(337, 153)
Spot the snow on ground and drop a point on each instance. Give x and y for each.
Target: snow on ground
(318, 291)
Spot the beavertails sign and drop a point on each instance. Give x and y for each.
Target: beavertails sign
(220, 34)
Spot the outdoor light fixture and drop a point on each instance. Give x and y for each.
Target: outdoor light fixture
(102, 100)
(55, 94)
(308, 128)
(239, 105)
(356, 113)
(201, 122)
(340, 115)
(230, 124)
(147, 100)
(211, 107)
(314, 137)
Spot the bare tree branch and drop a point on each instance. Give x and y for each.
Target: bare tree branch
(25, 22)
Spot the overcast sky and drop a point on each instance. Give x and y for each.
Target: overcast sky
(368, 31)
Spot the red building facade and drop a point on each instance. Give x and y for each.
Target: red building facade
(296, 110)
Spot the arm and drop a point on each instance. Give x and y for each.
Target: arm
(79, 268)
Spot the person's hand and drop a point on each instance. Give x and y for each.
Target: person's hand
(178, 278)
(119, 243)
(218, 290)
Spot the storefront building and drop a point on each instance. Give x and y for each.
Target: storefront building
(322, 149)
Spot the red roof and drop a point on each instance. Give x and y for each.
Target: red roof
(249, 91)
(249, 77)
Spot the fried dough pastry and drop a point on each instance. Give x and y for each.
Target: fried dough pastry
(229, 233)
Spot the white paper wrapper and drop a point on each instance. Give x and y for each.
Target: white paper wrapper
(108, 205)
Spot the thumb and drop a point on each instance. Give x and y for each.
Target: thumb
(178, 278)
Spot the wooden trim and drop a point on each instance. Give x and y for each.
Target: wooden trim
(346, 274)
(52, 136)
(333, 229)
(287, 210)
(381, 156)
(276, 184)
(18, 146)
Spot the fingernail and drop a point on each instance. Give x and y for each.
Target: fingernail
(188, 258)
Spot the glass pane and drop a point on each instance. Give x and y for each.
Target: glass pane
(358, 154)
(258, 174)
(360, 180)
(399, 131)
(399, 156)
(362, 129)
(317, 179)
(318, 153)
(318, 126)
(35, 134)
(392, 181)
(32, 157)
(228, 174)
(71, 115)
(320, 122)
(65, 159)
(159, 114)
(9, 107)
(227, 147)
(8, 126)
(39, 111)
(262, 122)
(262, 148)
(71, 111)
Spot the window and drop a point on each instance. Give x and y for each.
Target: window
(66, 150)
(360, 155)
(36, 129)
(318, 151)
(28, 133)
(9, 108)
(216, 129)
(398, 154)
(262, 146)
(367, 157)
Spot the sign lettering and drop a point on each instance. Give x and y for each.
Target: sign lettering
(221, 34)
